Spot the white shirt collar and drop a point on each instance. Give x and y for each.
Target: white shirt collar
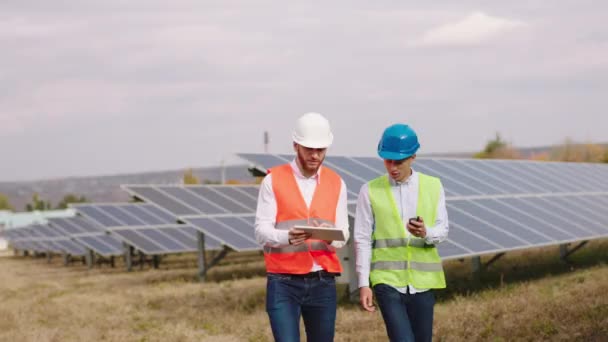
(409, 180)
(298, 172)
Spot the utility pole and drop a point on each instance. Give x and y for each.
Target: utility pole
(266, 141)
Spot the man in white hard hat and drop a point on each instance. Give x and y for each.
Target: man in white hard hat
(301, 271)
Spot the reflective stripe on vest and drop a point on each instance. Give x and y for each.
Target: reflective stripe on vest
(400, 259)
(292, 211)
(314, 245)
(401, 242)
(403, 265)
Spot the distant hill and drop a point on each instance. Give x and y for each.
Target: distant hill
(107, 188)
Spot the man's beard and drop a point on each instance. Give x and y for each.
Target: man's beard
(304, 164)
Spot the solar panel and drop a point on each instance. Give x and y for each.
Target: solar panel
(145, 227)
(196, 200)
(124, 214)
(71, 247)
(105, 245)
(496, 205)
(221, 212)
(88, 234)
(24, 238)
(231, 231)
(43, 238)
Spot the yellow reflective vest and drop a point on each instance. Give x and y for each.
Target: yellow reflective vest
(400, 259)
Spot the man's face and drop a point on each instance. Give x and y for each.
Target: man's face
(399, 170)
(310, 159)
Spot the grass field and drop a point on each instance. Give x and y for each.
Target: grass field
(526, 296)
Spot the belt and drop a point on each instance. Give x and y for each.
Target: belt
(317, 274)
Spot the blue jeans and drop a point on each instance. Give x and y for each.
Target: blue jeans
(408, 317)
(290, 296)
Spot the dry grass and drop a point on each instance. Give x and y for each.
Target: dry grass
(548, 300)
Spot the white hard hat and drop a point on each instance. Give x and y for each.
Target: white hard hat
(313, 131)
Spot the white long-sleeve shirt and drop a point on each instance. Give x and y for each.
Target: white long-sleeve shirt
(265, 218)
(406, 197)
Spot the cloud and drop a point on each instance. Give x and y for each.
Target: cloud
(136, 85)
(475, 29)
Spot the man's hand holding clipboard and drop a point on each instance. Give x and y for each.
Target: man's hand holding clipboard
(322, 232)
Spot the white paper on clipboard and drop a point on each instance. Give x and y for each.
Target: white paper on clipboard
(323, 233)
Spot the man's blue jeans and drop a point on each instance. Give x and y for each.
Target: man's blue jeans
(408, 317)
(290, 296)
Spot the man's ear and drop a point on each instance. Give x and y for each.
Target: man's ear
(413, 157)
(295, 147)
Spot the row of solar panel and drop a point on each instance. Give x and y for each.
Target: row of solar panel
(41, 238)
(176, 239)
(125, 214)
(490, 225)
(478, 226)
(104, 227)
(469, 177)
(482, 221)
(145, 226)
(181, 201)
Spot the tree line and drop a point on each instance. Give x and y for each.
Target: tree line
(568, 151)
(38, 203)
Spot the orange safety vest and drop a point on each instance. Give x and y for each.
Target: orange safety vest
(292, 210)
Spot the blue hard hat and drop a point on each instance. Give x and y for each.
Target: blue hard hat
(398, 142)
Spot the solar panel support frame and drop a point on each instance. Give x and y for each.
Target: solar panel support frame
(203, 266)
(128, 257)
(493, 259)
(564, 252)
(142, 260)
(476, 267)
(202, 258)
(90, 258)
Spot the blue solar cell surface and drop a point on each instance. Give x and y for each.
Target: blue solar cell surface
(96, 215)
(176, 239)
(102, 244)
(225, 203)
(139, 241)
(87, 233)
(44, 238)
(125, 214)
(162, 199)
(220, 230)
(145, 227)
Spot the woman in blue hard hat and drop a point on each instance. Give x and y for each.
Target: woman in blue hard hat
(401, 217)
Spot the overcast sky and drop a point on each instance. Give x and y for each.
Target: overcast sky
(114, 86)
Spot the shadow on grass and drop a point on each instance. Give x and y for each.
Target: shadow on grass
(518, 267)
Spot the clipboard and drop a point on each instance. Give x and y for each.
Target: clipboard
(323, 233)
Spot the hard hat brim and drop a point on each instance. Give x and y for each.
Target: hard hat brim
(394, 155)
(310, 143)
